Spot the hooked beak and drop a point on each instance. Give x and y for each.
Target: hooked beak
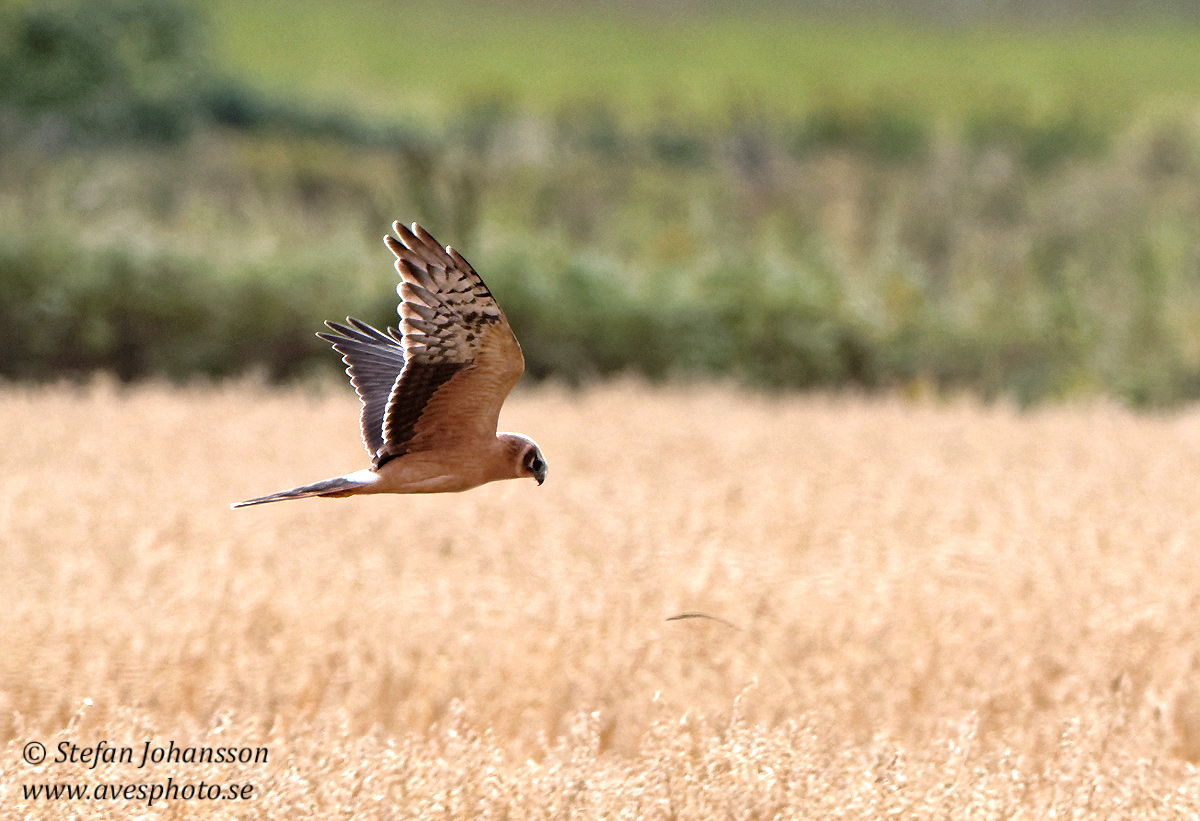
(540, 474)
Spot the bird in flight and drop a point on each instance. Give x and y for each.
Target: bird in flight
(431, 392)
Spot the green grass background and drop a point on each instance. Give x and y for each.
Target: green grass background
(422, 59)
(782, 197)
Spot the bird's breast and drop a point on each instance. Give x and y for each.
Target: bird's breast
(437, 472)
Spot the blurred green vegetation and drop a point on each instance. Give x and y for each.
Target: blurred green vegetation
(702, 57)
(112, 70)
(790, 202)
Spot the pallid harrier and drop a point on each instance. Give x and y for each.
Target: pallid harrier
(431, 394)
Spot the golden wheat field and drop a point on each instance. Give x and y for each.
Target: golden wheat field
(913, 610)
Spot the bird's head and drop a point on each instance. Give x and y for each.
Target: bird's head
(529, 459)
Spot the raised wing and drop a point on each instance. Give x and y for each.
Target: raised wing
(374, 361)
(461, 358)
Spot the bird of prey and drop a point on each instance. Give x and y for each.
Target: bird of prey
(431, 392)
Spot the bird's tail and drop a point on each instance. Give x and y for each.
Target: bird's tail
(339, 486)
